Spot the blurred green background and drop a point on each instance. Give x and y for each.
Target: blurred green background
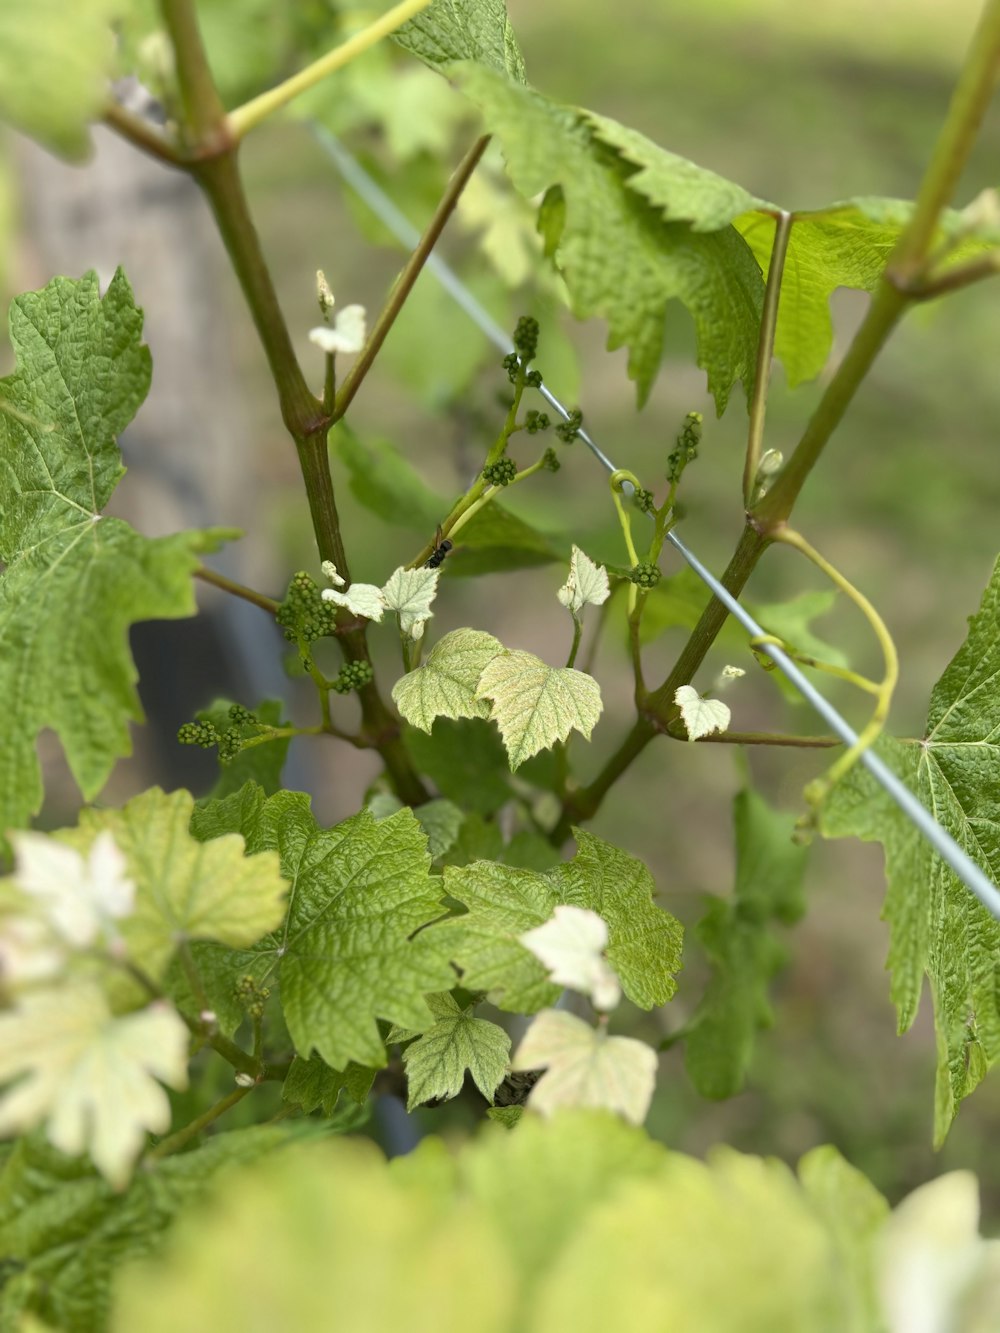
(803, 106)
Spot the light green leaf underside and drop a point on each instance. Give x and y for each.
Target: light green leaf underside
(621, 260)
(343, 956)
(445, 686)
(737, 934)
(74, 583)
(579, 1225)
(457, 1041)
(504, 902)
(937, 927)
(55, 61)
(536, 705)
(450, 30)
(185, 889)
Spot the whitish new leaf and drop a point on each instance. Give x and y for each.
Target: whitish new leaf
(361, 599)
(445, 686)
(78, 896)
(585, 1067)
(571, 945)
(936, 926)
(458, 1041)
(410, 593)
(347, 953)
(90, 1077)
(535, 705)
(587, 584)
(74, 582)
(701, 716)
(185, 889)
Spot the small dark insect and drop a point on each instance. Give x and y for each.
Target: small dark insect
(440, 554)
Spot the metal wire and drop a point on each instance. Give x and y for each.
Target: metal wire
(939, 838)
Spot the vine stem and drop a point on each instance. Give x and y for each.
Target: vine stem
(173, 1142)
(211, 146)
(404, 283)
(765, 352)
(758, 738)
(141, 134)
(237, 589)
(251, 113)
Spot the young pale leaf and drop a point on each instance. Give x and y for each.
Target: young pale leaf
(571, 945)
(535, 705)
(78, 896)
(65, 663)
(90, 1077)
(344, 956)
(347, 335)
(451, 30)
(410, 593)
(458, 1041)
(622, 261)
(701, 716)
(644, 941)
(737, 933)
(445, 686)
(55, 61)
(587, 584)
(185, 889)
(361, 599)
(585, 1067)
(936, 926)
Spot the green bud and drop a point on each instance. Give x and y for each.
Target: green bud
(645, 574)
(500, 473)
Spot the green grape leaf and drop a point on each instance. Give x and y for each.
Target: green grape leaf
(55, 62)
(621, 260)
(441, 820)
(445, 686)
(645, 942)
(455, 1042)
(261, 763)
(343, 957)
(737, 934)
(936, 926)
(791, 620)
(508, 1116)
(681, 190)
(92, 1078)
(495, 541)
(677, 602)
(466, 761)
(185, 889)
(313, 1085)
(66, 1232)
(74, 581)
(386, 484)
(534, 704)
(504, 902)
(478, 839)
(585, 1068)
(844, 245)
(450, 30)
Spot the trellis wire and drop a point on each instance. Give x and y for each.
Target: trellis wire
(939, 838)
